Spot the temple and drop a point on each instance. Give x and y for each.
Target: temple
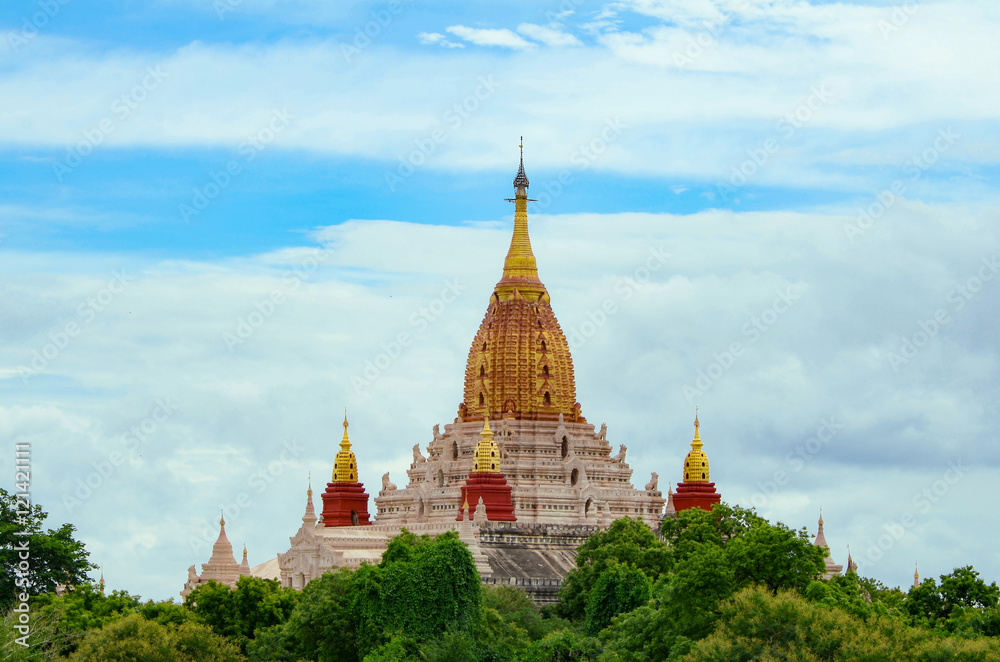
(520, 473)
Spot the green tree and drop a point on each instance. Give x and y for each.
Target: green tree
(859, 596)
(320, 628)
(625, 541)
(963, 588)
(423, 589)
(685, 608)
(237, 613)
(690, 528)
(85, 608)
(514, 606)
(136, 639)
(54, 557)
(564, 646)
(39, 642)
(774, 556)
(756, 624)
(961, 600)
(620, 588)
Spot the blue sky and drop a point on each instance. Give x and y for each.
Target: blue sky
(204, 153)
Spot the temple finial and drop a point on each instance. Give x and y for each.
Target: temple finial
(345, 442)
(222, 518)
(696, 462)
(521, 179)
(345, 464)
(520, 271)
(821, 515)
(309, 491)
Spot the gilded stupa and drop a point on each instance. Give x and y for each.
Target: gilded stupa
(519, 365)
(697, 490)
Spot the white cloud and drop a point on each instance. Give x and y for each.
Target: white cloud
(695, 120)
(490, 37)
(430, 38)
(547, 35)
(282, 388)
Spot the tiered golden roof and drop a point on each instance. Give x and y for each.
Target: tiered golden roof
(696, 462)
(345, 465)
(519, 364)
(486, 456)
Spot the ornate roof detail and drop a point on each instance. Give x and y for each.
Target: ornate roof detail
(696, 463)
(486, 456)
(521, 179)
(345, 465)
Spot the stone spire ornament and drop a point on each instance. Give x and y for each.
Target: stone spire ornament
(820, 541)
(309, 517)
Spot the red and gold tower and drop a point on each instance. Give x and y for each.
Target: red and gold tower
(345, 502)
(486, 482)
(696, 491)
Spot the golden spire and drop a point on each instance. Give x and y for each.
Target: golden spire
(520, 271)
(102, 579)
(486, 456)
(519, 364)
(309, 492)
(696, 463)
(916, 575)
(821, 515)
(345, 465)
(222, 518)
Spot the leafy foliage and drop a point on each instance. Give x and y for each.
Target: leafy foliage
(136, 639)
(620, 588)
(84, 608)
(757, 624)
(320, 628)
(237, 613)
(422, 590)
(564, 646)
(774, 556)
(961, 603)
(55, 556)
(628, 541)
(513, 606)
